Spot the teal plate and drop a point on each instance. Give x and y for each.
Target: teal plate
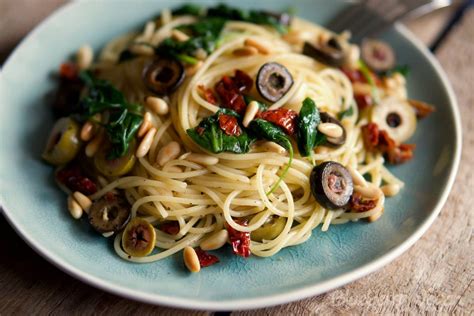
(36, 209)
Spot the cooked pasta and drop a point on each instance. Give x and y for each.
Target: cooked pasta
(262, 195)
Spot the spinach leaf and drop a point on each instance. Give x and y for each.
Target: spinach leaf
(404, 70)
(345, 113)
(308, 121)
(210, 136)
(268, 131)
(125, 118)
(253, 16)
(188, 9)
(203, 34)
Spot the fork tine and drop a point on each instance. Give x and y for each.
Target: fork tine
(342, 21)
(378, 21)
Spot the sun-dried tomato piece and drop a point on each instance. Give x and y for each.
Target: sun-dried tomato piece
(386, 143)
(281, 117)
(242, 81)
(370, 135)
(422, 109)
(363, 101)
(354, 75)
(74, 179)
(171, 228)
(230, 89)
(206, 259)
(400, 154)
(230, 97)
(68, 71)
(240, 241)
(207, 94)
(359, 204)
(229, 125)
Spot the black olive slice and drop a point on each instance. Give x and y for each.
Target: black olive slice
(378, 55)
(273, 81)
(109, 214)
(331, 185)
(326, 118)
(163, 76)
(330, 53)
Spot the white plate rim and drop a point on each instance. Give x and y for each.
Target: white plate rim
(270, 300)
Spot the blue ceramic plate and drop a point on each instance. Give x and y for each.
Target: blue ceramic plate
(37, 210)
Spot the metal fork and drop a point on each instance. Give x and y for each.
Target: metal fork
(370, 17)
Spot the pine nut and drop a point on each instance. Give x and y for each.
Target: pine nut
(74, 208)
(200, 54)
(357, 178)
(353, 56)
(174, 169)
(108, 234)
(141, 49)
(262, 49)
(94, 144)
(191, 70)
(390, 189)
(179, 36)
(191, 259)
(245, 51)
(87, 131)
(82, 200)
(166, 16)
(369, 192)
(157, 105)
(215, 241)
(376, 216)
(84, 57)
(148, 31)
(203, 159)
(330, 130)
(293, 37)
(146, 125)
(169, 152)
(145, 144)
(272, 147)
(360, 88)
(252, 110)
(321, 150)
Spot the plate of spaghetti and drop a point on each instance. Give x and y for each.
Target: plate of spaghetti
(218, 157)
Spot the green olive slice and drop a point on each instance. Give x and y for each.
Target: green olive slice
(270, 230)
(63, 142)
(115, 167)
(109, 214)
(139, 237)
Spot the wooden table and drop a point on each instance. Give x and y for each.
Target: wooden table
(434, 276)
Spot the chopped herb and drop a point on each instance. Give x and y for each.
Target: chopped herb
(209, 135)
(125, 118)
(368, 77)
(345, 113)
(404, 70)
(307, 127)
(266, 130)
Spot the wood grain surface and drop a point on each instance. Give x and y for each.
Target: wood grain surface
(434, 277)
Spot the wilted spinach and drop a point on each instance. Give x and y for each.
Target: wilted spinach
(307, 127)
(210, 136)
(125, 118)
(269, 131)
(203, 35)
